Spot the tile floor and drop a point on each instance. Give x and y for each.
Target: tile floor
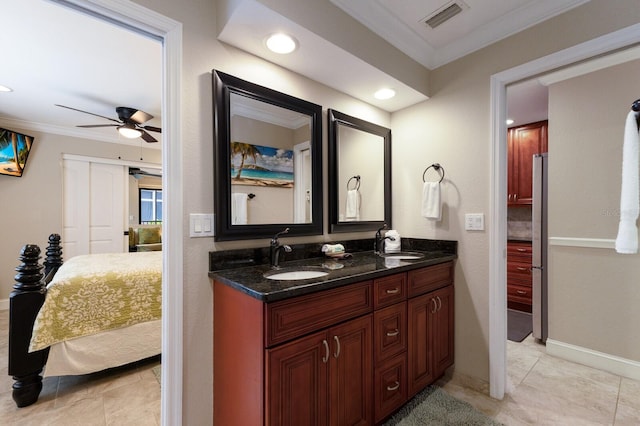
(128, 395)
(543, 391)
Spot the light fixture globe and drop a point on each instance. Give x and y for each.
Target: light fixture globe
(281, 43)
(129, 131)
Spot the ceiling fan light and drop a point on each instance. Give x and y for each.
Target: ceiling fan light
(129, 131)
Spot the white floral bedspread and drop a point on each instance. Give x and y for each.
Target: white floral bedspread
(97, 292)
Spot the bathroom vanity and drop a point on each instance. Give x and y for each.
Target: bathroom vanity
(350, 347)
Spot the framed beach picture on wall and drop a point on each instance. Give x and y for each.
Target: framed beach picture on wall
(261, 165)
(14, 151)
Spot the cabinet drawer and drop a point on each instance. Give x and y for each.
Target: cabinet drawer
(519, 252)
(430, 278)
(518, 293)
(519, 273)
(287, 319)
(389, 290)
(390, 384)
(390, 331)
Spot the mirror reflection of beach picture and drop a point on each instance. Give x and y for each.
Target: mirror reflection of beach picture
(14, 151)
(261, 165)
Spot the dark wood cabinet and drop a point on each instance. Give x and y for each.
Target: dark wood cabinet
(431, 321)
(325, 375)
(519, 278)
(523, 142)
(342, 356)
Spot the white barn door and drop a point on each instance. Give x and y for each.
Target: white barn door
(95, 207)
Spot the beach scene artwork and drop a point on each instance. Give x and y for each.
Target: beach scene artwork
(14, 151)
(261, 165)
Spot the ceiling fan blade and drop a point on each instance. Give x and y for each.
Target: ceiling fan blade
(147, 137)
(98, 125)
(141, 117)
(151, 128)
(87, 112)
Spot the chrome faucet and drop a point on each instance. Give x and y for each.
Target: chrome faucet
(379, 241)
(275, 248)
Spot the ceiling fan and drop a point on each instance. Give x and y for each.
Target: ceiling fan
(130, 122)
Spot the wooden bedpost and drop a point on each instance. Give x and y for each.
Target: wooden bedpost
(24, 303)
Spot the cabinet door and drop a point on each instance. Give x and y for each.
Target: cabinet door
(296, 381)
(443, 328)
(351, 373)
(420, 349)
(523, 143)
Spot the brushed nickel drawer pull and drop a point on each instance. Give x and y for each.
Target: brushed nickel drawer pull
(336, 354)
(325, 358)
(393, 291)
(394, 387)
(521, 250)
(393, 333)
(520, 268)
(521, 292)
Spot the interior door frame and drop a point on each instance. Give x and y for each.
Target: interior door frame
(169, 32)
(620, 39)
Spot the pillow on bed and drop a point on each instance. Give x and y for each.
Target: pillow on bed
(149, 235)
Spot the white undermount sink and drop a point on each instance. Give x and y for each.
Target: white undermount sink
(403, 255)
(295, 274)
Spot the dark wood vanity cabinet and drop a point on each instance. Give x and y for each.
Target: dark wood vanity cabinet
(348, 355)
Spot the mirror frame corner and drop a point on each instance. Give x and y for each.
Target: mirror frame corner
(223, 86)
(335, 119)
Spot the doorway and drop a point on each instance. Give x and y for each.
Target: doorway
(497, 275)
(145, 21)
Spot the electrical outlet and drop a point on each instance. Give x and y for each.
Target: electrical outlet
(201, 225)
(474, 221)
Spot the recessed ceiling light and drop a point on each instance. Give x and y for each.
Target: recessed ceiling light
(509, 121)
(5, 88)
(385, 93)
(281, 43)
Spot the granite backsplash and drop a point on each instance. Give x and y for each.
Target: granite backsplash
(240, 258)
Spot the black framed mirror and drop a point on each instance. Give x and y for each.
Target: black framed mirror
(268, 161)
(359, 174)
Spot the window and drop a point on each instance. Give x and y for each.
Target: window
(150, 206)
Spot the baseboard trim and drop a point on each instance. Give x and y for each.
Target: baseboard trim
(600, 360)
(4, 304)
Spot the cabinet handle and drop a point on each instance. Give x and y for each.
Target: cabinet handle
(520, 268)
(521, 292)
(521, 250)
(336, 354)
(435, 306)
(393, 291)
(325, 358)
(394, 387)
(393, 333)
(439, 302)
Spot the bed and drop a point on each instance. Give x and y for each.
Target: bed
(89, 314)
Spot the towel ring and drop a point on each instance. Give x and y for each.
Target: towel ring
(357, 184)
(438, 168)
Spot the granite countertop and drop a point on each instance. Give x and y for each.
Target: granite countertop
(360, 267)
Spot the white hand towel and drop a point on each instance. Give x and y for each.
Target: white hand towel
(431, 206)
(352, 207)
(627, 239)
(239, 208)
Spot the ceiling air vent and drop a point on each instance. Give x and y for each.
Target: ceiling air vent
(443, 15)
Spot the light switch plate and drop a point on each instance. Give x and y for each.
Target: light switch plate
(474, 221)
(201, 225)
